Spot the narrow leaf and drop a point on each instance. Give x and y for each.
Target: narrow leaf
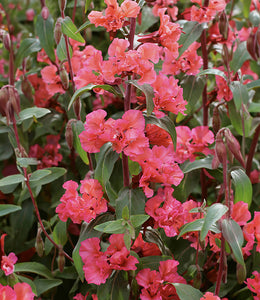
(149, 94)
(69, 29)
(138, 220)
(253, 84)
(197, 164)
(85, 26)
(240, 93)
(192, 226)
(77, 128)
(61, 49)
(60, 233)
(240, 56)
(24, 162)
(27, 47)
(33, 112)
(9, 183)
(214, 213)
(56, 173)
(212, 72)
(44, 285)
(187, 292)
(33, 267)
(6, 209)
(243, 186)
(117, 226)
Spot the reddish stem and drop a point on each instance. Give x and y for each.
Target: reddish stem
(74, 10)
(221, 266)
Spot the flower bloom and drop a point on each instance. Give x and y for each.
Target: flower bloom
(7, 263)
(254, 284)
(99, 265)
(83, 207)
(114, 17)
(21, 291)
(210, 296)
(252, 231)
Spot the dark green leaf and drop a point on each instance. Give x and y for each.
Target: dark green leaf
(254, 107)
(69, 29)
(240, 93)
(9, 183)
(165, 123)
(153, 262)
(60, 233)
(191, 32)
(61, 49)
(56, 173)
(32, 112)
(6, 209)
(149, 94)
(38, 175)
(44, 285)
(214, 213)
(27, 47)
(234, 236)
(77, 128)
(118, 226)
(187, 292)
(44, 30)
(197, 164)
(240, 56)
(212, 72)
(243, 186)
(33, 267)
(138, 220)
(89, 87)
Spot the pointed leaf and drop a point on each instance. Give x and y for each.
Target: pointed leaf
(44, 285)
(240, 56)
(243, 186)
(69, 29)
(253, 84)
(44, 30)
(212, 72)
(214, 213)
(61, 49)
(118, 226)
(84, 26)
(89, 87)
(56, 173)
(187, 292)
(191, 32)
(165, 123)
(240, 93)
(9, 183)
(234, 236)
(32, 112)
(77, 128)
(33, 267)
(192, 226)
(24, 162)
(6, 209)
(60, 233)
(38, 175)
(197, 164)
(149, 94)
(138, 220)
(27, 47)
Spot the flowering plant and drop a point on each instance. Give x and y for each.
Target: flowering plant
(129, 149)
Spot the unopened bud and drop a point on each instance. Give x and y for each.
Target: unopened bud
(64, 77)
(3, 100)
(14, 99)
(220, 148)
(27, 88)
(216, 122)
(39, 244)
(62, 4)
(69, 133)
(77, 108)
(5, 37)
(223, 25)
(234, 146)
(61, 260)
(45, 13)
(241, 273)
(252, 46)
(57, 31)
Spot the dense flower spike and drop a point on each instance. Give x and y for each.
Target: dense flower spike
(83, 207)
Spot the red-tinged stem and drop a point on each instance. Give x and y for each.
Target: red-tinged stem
(252, 150)
(221, 266)
(74, 10)
(226, 186)
(203, 40)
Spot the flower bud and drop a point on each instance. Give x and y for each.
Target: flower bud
(241, 273)
(220, 148)
(57, 31)
(61, 260)
(45, 13)
(69, 133)
(223, 25)
(62, 4)
(5, 37)
(30, 14)
(27, 88)
(4, 97)
(77, 108)
(14, 99)
(39, 244)
(64, 77)
(252, 46)
(234, 146)
(216, 122)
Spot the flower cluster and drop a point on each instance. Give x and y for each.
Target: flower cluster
(157, 285)
(99, 265)
(81, 208)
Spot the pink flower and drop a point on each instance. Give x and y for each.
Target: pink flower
(240, 213)
(210, 296)
(7, 263)
(23, 291)
(6, 292)
(252, 230)
(143, 248)
(30, 14)
(254, 284)
(52, 80)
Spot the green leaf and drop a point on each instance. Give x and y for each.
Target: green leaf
(234, 236)
(89, 87)
(87, 3)
(44, 30)
(245, 5)
(32, 112)
(6, 209)
(24, 162)
(118, 226)
(243, 187)
(69, 29)
(240, 56)
(27, 47)
(153, 262)
(165, 123)
(33, 267)
(9, 183)
(77, 128)
(138, 220)
(254, 18)
(148, 19)
(187, 292)
(214, 213)
(254, 107)
(44, 285)
(197, 164)
(253, 84)
(106, 160)
(60, 233)
(84, 26)
(61, 49)
(212, 72)
(191, 32)
(56, 173)
(149, 94)
(192, 226)
(240, 93)
(38, 175)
